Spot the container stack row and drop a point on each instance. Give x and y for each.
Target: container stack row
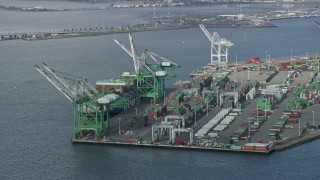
(254, 123)
(139, 121)
(277, 127)
(256, 147)
(306, 94)
(291, 117)
(227, 120)
(238, 133)
(220, 127)
(285, 66)
(212, 123)
(272, 75)
(224, 123)
(249, 126)
(156, 110)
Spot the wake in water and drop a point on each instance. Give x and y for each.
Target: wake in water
(317, 23)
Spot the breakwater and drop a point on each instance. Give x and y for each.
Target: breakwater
(306, 137)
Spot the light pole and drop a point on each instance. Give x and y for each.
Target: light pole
(249, 130)
(299, 127)
(313, 118)
(195, 115)
(241, 78)
(151, 102)
(119, 126)
(217, 97)
(318, 61)
(164, 98)
(207, 107)
(136, 111)
(236, 59)
(266, 56)
(219, 69)
(203, 93)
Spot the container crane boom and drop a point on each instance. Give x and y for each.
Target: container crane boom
(317, 23)
(151, 56)
(137, 59)
(66, 90)
(74, 90)
(219, 46)
(215, 38)
(165, 61)
(128, 52)
(134, 56)
(206, 32)
(53, 72)
(150, 78)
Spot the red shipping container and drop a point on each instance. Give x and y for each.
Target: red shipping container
(294, 116)
(258, 148)
(99, 88)
(248, 148)
(292, 121)
(275, 130)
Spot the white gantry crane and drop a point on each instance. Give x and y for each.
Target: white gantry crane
(219, 47)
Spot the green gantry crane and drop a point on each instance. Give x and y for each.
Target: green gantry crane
(91, 112)
(150, 78)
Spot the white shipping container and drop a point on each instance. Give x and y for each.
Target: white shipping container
(236, 110)
(199, 134)
(225, 122)
(161, 73)
(213, 135)
(108, 98)
(207, 126)
(166, 64)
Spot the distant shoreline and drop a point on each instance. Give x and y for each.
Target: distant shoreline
(48, 36)
(138, 4)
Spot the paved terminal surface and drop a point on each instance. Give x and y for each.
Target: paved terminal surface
(144, 133)
(276, 113)
(135, 134)
(125, 118)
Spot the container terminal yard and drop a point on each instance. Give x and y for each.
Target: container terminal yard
(256, 106)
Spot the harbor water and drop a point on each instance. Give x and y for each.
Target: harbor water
(36, 120)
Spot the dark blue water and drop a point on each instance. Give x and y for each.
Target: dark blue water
(36, 120)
